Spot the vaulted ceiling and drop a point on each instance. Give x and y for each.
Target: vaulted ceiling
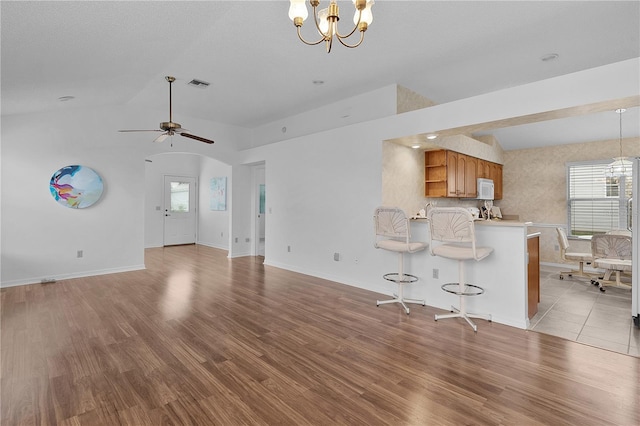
(118, 52)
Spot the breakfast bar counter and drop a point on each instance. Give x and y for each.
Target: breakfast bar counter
(503, 274)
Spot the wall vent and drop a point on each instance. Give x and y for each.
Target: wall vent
(198, 83)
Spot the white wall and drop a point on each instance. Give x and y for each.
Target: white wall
(241, 199)
(40, 238)
(365, 107)
(213, 225)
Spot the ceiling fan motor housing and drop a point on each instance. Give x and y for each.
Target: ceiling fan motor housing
(170, 126)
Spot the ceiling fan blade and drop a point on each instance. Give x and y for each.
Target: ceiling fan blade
(157, 130)
(161, 138)
(198, 138)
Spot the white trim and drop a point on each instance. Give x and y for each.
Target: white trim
(61, 277)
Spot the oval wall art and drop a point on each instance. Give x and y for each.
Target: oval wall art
(76, 187)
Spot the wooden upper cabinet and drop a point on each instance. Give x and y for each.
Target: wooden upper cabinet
(435, 173)
(470, 177)
(483, 170)
(461, 175)
(496, 175)
(452, 174)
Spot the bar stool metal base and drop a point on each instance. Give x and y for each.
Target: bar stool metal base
(463, 290)
(401, 280)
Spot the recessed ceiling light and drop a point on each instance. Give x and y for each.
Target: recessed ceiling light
(415, 146)
(66, 98)
(432, 136)
(549, 57)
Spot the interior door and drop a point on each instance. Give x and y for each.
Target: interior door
(179, 210)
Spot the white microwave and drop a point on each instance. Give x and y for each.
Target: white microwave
(485, 189)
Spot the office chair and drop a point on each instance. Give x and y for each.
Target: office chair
(567, 255)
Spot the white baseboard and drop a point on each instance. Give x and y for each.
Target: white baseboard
(60, 277)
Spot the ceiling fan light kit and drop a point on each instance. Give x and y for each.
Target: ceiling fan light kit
(326, 20)
(170, 127)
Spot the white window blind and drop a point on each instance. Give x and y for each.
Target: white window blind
(596, 203)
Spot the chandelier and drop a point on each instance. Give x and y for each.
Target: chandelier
(326, 20)
(620, 166)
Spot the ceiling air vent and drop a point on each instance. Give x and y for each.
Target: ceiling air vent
(198, 83)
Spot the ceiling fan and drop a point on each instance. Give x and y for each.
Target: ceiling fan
(169, 128)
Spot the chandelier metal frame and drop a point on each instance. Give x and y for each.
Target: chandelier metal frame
(327, 25)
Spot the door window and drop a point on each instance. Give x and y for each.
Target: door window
(179, 197)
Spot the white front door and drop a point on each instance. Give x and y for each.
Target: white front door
(179, 210)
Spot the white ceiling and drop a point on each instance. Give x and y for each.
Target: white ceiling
(107, 53)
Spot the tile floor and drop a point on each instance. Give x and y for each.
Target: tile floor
(575, 309)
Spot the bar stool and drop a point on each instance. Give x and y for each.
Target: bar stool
(392, 233)
(453, 226)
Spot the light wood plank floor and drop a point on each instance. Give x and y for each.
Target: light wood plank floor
(201, 339)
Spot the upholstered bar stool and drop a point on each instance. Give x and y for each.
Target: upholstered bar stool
(392, 233)
(454, 228)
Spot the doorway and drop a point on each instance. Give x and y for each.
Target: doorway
(179, 210)
(260, 194)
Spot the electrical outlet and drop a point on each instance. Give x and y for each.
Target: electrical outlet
(236, 239)
(336, 256)
(246, 240)
(222, 234)
(556, 247)
(356, 260)
(436, 273)
(79, 254)
(289, 249)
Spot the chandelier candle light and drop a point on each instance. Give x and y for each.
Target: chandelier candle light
(620, 166)
(326, 20)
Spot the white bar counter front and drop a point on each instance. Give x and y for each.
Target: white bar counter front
(503, 274)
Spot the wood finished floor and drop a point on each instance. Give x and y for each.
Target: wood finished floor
(197, 338)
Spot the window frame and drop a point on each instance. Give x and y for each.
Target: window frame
(622, 199)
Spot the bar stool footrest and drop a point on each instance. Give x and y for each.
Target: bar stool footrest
(454, 288)
(401, 279)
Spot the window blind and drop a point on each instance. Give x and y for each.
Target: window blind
(596, 203)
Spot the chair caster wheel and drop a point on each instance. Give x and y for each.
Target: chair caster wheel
(602, 289)
(561, 277)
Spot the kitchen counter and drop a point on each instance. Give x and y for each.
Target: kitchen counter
(503, 274)
(501, 222)
(492, 222)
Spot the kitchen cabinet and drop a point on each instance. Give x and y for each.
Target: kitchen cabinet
(435, 173)
(495, 174)
(454, 175)
(461, 175)
(484, 167)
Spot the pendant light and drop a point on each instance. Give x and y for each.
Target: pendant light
(620, 165)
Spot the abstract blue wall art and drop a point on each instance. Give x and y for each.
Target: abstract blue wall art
(76, 187)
